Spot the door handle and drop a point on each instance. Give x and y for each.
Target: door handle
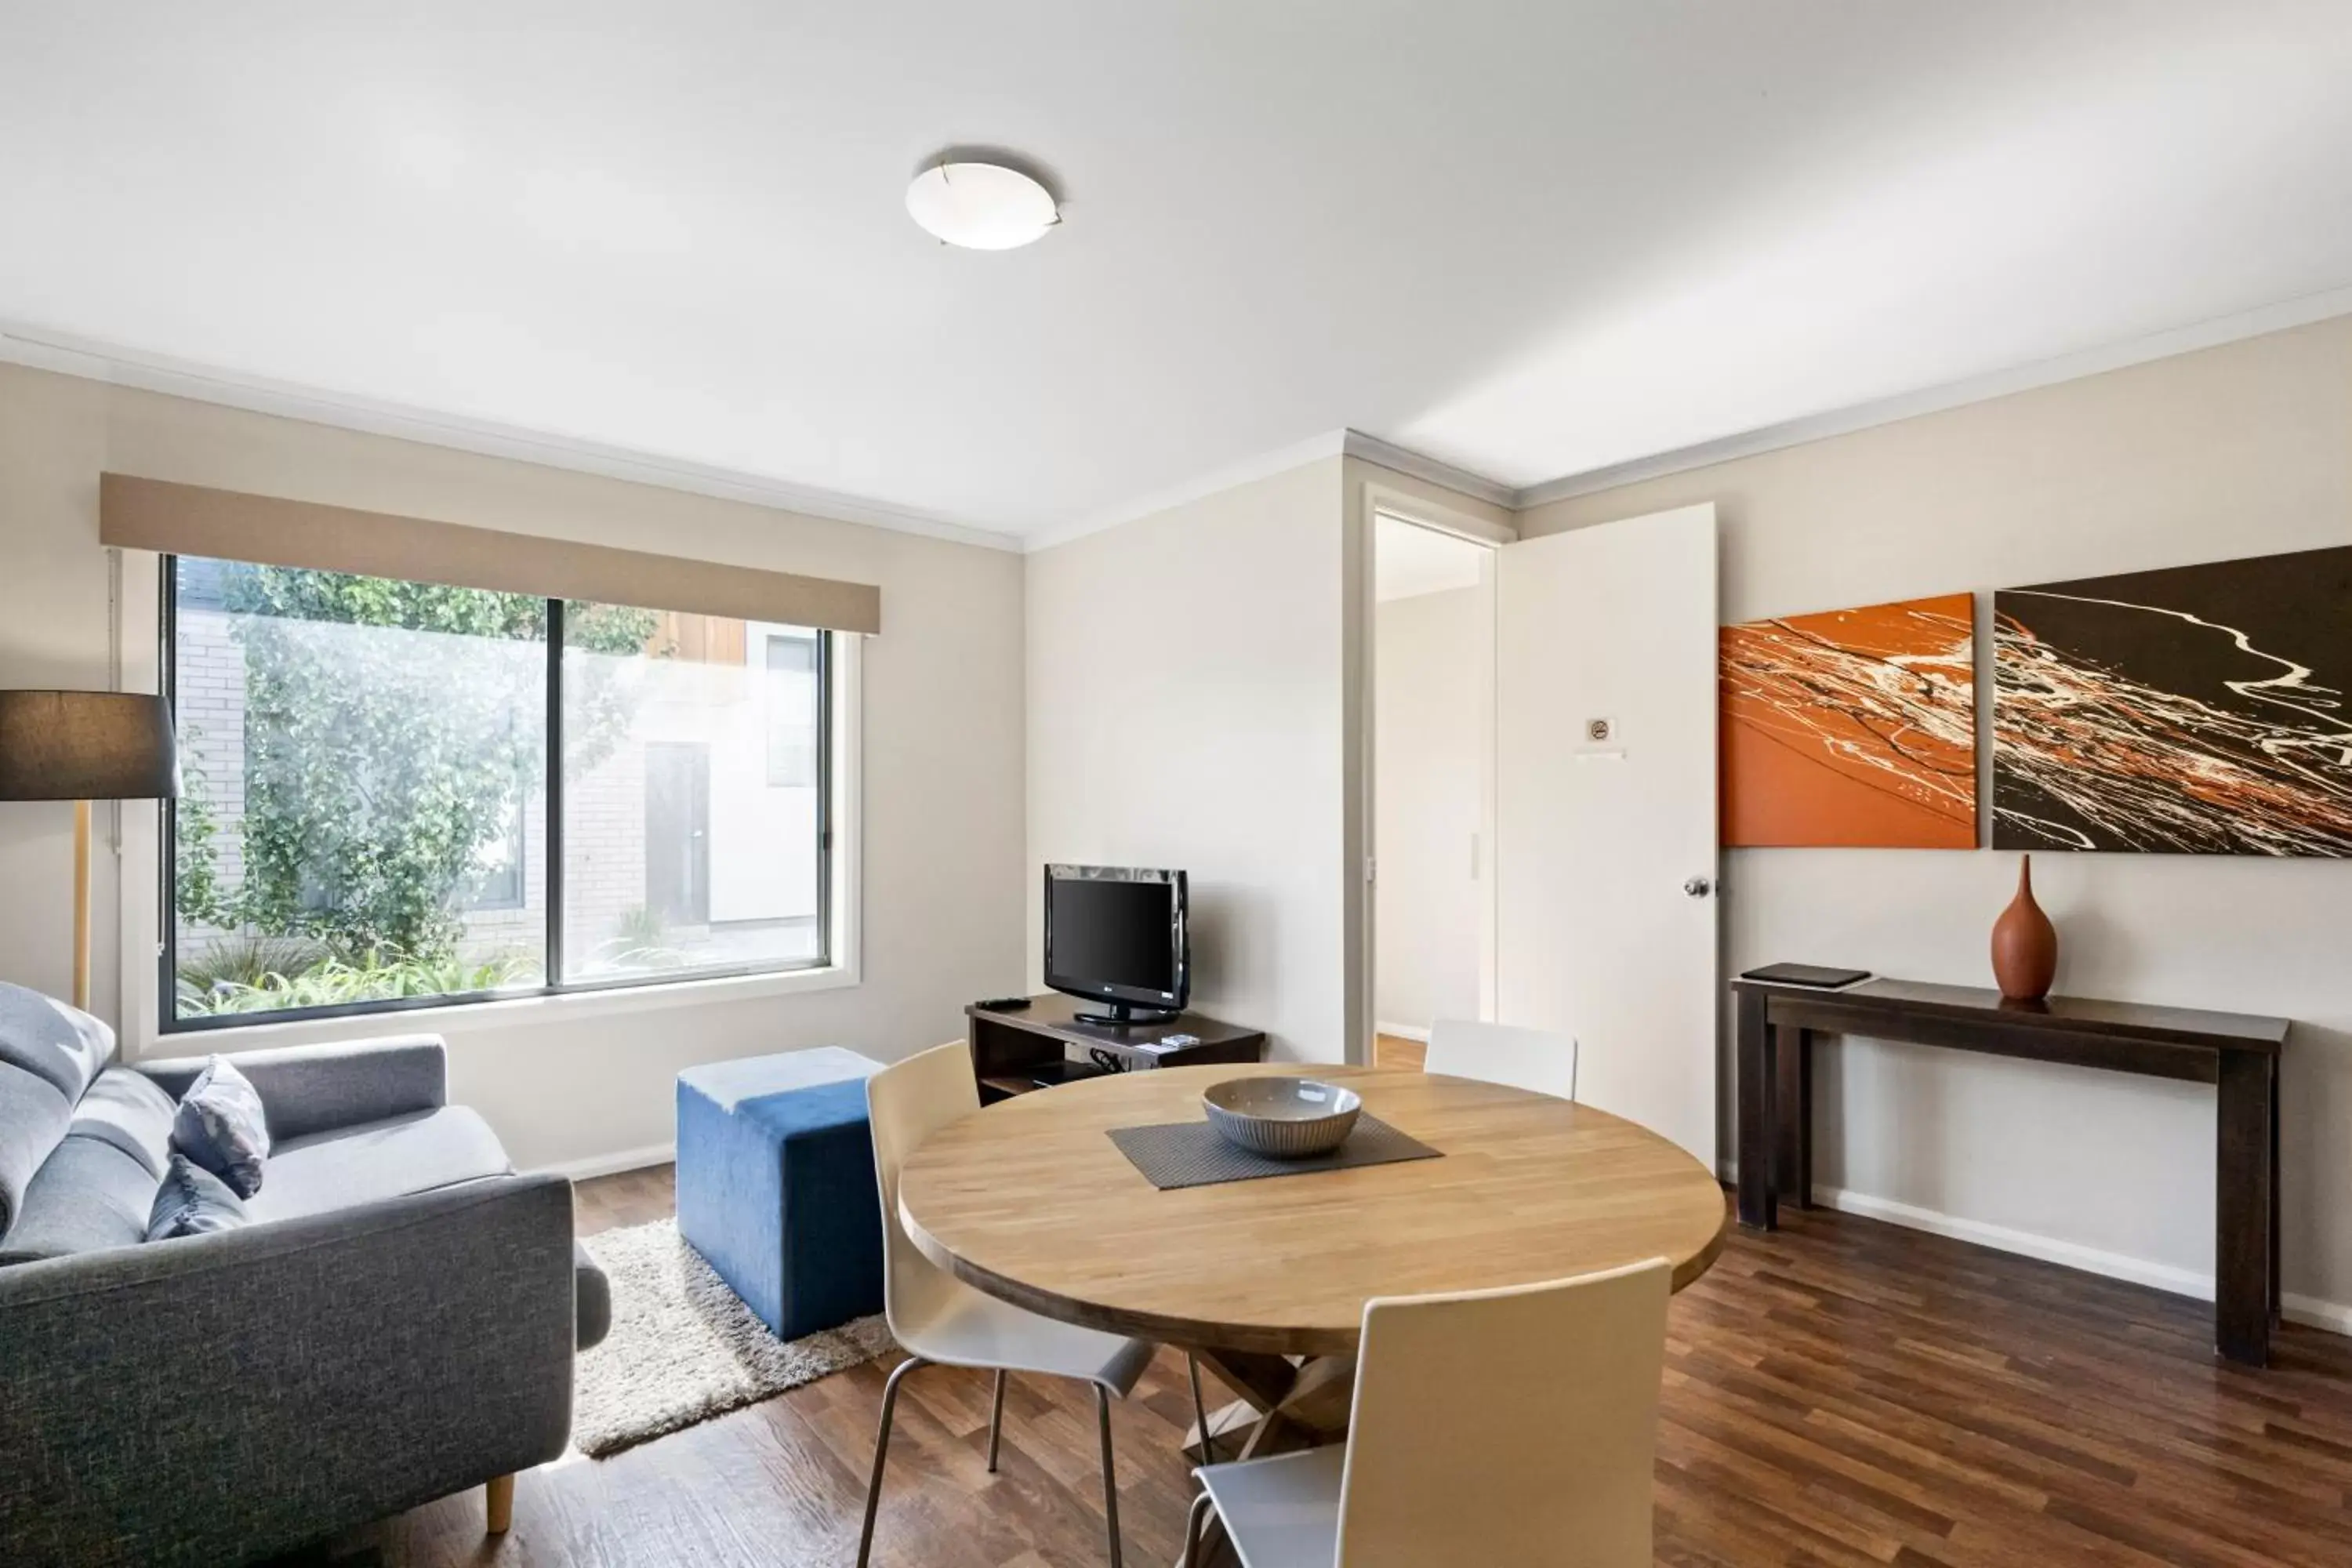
(1699, 887)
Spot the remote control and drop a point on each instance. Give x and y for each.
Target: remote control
(1003, 1005)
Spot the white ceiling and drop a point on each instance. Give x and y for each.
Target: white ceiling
(1533, 240)
(1408, 561)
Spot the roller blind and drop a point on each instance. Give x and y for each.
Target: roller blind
(191, 519)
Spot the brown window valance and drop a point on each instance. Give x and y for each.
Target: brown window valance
(191, 519)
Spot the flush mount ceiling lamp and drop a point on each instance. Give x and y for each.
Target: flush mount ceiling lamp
(981, 205)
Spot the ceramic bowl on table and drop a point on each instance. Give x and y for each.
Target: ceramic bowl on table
(1287, 1118)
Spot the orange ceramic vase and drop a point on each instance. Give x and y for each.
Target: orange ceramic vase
(2024, 943)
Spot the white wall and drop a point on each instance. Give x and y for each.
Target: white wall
(1185, 711)
(1427, 738)
(943, 720)
(2234, 451)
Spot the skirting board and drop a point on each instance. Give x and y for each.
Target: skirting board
(2309, 1311)
(1402, 1031)
(612, 1164)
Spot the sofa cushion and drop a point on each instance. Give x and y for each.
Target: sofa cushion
(221, 1127)
(192, 1202)
(48, 1055)
(97, 1186)
(89, 1195)
(62, 1045)
(388, 1159)
(124, 1109)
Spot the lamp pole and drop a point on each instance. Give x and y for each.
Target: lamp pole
(81, 906)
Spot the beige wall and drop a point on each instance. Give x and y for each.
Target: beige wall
(1429, 772)
(2233, 451)
(942, 717)
(1185, 710)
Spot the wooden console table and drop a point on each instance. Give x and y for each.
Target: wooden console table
(1009, 1047)
(2239, 1054)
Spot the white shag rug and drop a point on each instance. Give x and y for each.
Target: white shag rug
(684, 1347)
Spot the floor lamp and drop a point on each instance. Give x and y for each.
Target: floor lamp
(83, 746)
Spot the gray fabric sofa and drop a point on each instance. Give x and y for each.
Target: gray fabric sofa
(397, 1323)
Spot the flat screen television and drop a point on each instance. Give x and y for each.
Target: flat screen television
(1115, 934)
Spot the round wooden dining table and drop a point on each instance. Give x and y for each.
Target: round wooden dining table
(1266, 1279)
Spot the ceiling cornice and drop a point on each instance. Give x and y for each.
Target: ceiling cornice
(2206, 334)
(1444, 475)
(2212, 334)
(42, 349)
(1282, 459)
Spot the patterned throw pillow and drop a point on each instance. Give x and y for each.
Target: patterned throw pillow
(221, 1127)
(192, 1202)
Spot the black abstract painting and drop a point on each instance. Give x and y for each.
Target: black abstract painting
(2199, 710)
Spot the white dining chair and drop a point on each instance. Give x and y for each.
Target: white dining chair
(1534, 1059)
(1515, 1426)
(938, 1319)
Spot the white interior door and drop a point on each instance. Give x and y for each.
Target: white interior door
(1605, 809)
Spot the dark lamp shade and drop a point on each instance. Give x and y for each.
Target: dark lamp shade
(87, 745)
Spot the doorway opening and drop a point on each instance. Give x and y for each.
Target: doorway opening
(1578, 891)
(1432, 673)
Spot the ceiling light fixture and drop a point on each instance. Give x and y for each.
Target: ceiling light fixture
(981, 206)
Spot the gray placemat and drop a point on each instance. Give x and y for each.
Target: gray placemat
(1195, 1154)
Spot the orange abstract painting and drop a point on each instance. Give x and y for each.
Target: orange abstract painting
(1852, 728)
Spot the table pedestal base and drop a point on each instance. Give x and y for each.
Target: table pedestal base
(1285, 1403)
(1229, 1429)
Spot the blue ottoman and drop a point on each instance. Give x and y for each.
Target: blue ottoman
(775, 1184)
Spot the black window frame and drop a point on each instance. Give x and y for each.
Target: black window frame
(169, 1022)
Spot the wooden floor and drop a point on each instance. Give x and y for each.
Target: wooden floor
(1396, 1051)
(1841, 1392)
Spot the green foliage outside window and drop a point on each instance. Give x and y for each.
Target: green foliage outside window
(378, 768)
(331, 982)
(195, 876)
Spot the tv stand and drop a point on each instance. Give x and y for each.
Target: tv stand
(1012, 1052)
(1124, 1014)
